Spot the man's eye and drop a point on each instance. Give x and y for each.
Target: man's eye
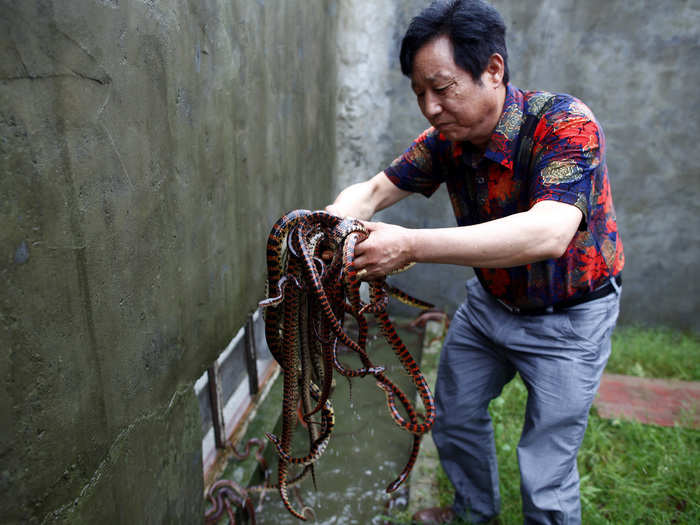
(442, 89)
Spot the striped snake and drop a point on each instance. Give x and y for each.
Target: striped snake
(311, 286)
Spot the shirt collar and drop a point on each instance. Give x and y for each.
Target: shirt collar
(504, 138)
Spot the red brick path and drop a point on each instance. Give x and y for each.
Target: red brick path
(657, 401)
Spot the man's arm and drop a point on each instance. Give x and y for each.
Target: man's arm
(543, 232)
(364, 199)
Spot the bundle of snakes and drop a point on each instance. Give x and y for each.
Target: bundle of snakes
(311, 287)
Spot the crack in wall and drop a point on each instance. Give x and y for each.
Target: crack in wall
(42, 51)
(114, 452)
(102, 81)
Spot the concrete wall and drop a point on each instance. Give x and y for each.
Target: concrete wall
(145, 150)
(635, 64)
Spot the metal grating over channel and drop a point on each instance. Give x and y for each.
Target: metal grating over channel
(227, 390)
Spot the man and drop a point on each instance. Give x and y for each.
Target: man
(528, 182)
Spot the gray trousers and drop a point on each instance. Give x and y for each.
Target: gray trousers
(560, 357)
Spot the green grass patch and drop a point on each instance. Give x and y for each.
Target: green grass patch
(630, 472)
(655, 352)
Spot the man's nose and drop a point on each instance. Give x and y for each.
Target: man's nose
(431, 106)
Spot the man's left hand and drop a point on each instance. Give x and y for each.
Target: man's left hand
(388, 247)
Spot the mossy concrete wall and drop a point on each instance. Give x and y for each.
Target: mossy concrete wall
(634, 62)
(145, 150)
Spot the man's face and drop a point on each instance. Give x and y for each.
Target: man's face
(458, 107)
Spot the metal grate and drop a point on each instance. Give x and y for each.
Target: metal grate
(227, 389)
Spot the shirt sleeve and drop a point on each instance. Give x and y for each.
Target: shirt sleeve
(419, 168)
(569, 149)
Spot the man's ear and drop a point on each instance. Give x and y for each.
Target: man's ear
(495, 69)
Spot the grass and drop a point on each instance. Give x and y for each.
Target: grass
(655, 352)
(630, 472)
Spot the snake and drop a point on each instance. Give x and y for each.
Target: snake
(225, 494)
(221, 494)
(319, 444)
(276, 267)
(312, 286)
(377, 307)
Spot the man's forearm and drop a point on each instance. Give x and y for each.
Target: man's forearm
(364, 199)
(494, 244)
(354, 201)
(544, 232)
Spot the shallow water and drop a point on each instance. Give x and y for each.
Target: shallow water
(366, 452)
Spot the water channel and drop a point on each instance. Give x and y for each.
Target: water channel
(366, 452)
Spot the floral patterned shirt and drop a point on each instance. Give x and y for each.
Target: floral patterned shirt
(567, 165)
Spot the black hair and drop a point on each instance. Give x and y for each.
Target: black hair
(474, 27)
